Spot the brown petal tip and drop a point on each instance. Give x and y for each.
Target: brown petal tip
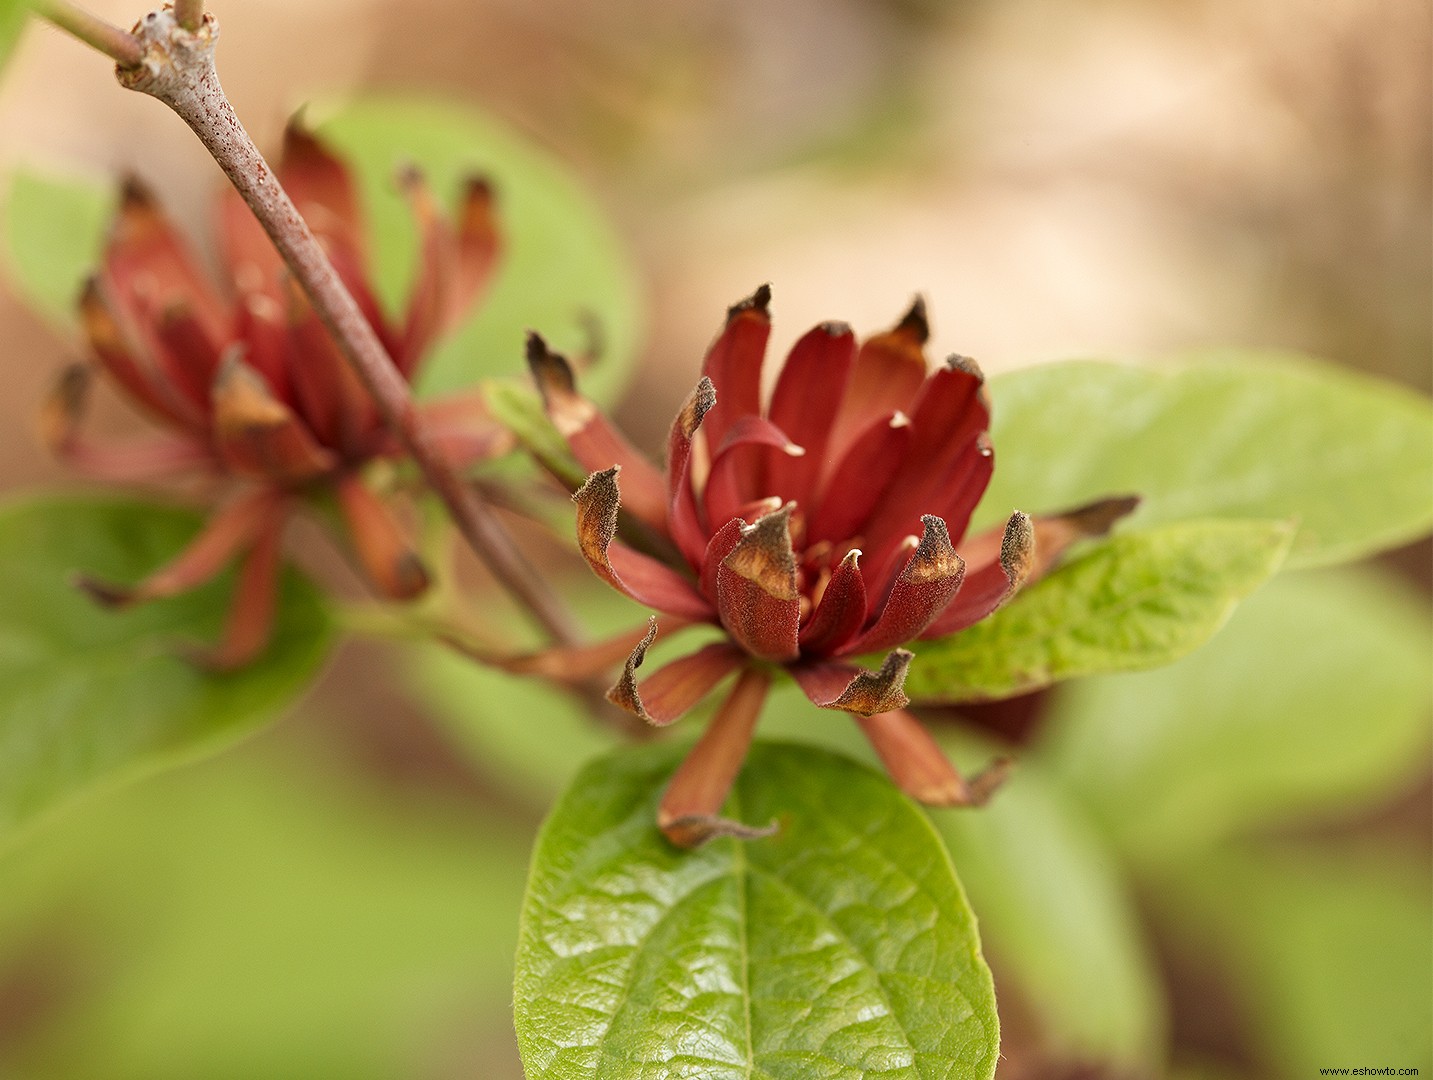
(64, 407)
(934, 558)
(967, 365)
(759, 301)
(880, 691)
(694, 410)
(836, 329)
(135, 194)
(984, 784)
(694, 830)
(624, 693)
(550, 370)
(104, 593)
(914, 322)
(1097, 518)
(1017, 548)
(764, 554)
(598, 501)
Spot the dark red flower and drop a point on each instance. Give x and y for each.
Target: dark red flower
(815, 528)
(252, 389)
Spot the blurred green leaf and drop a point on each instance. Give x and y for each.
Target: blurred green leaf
(1241, 435)
(1059, 922)
(562, 262)
(1136, 601)
(260, 916)
(1315, 698)
(54, 232)
(519, 409)
(841, 947)
(13, 14)
(89, 697)
(1329, 954)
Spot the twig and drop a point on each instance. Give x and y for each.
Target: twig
(177, 67)
(120, 46)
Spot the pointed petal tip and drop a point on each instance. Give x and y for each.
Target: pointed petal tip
(968, 794)
(880, 691)
(104, 593)
(764, 553)
(550, 370)
(135, 194)
(624, 693)
(694, 410)
(759, 302)
(1017, 547)
(934, 558)
(836, 329)
(693, 830)
(1097, 518)
(966, 364)
(915, 321)
(64, 407)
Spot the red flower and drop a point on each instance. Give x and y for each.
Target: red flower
(252, 389)
(813, 530)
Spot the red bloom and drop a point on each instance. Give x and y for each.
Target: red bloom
(813, 530)
(252, 389)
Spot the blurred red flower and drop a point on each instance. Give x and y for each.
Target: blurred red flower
(814, 529)
(252, 389)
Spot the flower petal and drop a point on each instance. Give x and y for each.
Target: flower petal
(464, 430)
(1056, 533)
(115, 350)
(684, 523)
(808, 394)
(232, 528)
(258, 435)
(148, 268)
(382, 546)
(841, 611)
(751, 447)
(757, 595)
(187, 355)
(687, 814)
(436, 276)
(733, 363)
(991, 585)
(322, 187)
(594, 442)
(479, 245)
(639, 576)
(948, 463)
(860, 479)
(676, 687)
(720, 546)
(921, 592)
(854, 690)
(888, 371)
(330, 398)
(919, 766)
(251, 619)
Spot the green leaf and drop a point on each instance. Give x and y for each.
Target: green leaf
(89, 697)
(842, 947)
(262, 915)
(13, 14)
(1314, 700)
(1242, 435)
(1138, 601)
(562, 261)
(1059, 922)
(54, 233)
(1328, 954)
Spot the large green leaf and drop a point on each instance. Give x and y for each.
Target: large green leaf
(562, 262)
(1059, 922)
(842, 947)
(261, 915)
(1240, 435)
(1138, 601)
(1315, 698)
(54, 232)
(88, 697)
(1328, 954)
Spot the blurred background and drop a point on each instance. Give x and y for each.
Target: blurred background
(1113, 179)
